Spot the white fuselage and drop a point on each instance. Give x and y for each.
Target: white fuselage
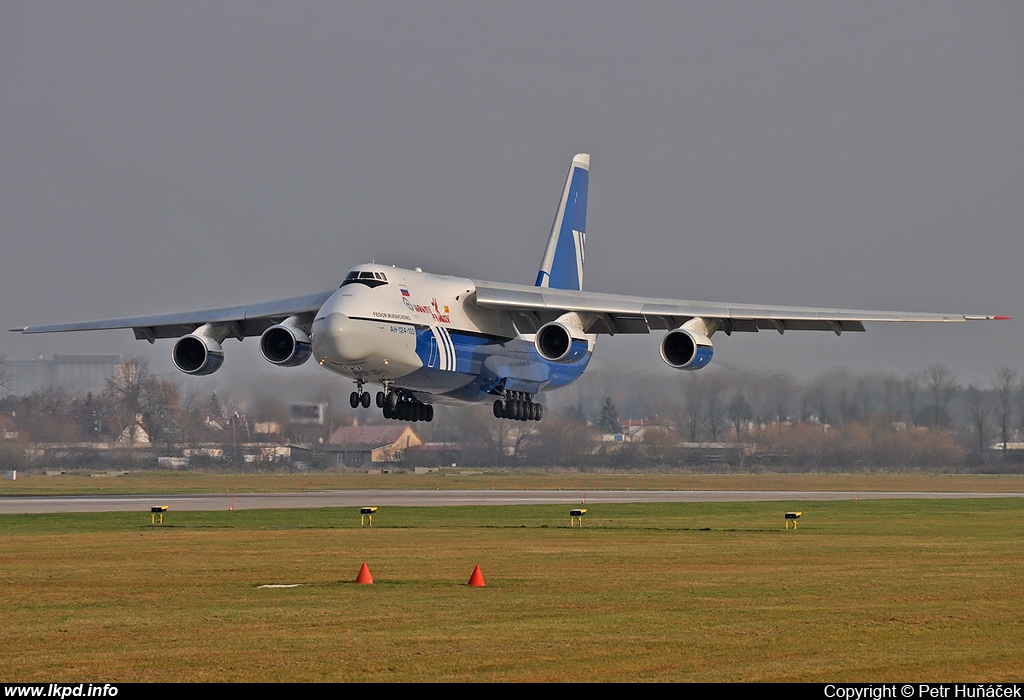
(423, 332)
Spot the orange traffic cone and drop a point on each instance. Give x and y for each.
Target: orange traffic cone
(477, 578)
(364, 575)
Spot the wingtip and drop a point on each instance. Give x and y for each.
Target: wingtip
(582, 160)
(20, 329)
(1002, 318)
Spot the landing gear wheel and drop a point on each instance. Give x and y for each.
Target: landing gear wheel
(538, 412)
(429, 413)
(365, 399)
(380, 399)
(499, 410)
(388, 413)
(353, 399)
(392, 400)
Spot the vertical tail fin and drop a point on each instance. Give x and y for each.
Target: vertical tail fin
(562, 265)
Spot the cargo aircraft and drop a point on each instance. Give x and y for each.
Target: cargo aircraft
(429, 338)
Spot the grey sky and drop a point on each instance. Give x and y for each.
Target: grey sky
(171, 156)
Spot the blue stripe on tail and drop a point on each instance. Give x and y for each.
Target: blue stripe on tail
(562, 266)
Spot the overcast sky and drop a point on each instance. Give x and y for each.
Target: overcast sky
(182, 155)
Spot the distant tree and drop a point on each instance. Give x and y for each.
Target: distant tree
(609, 420)
(912, 397)
(978, 412)
(941, 387)
(213, 407)
(892, 391)
(562, 442)
(694, 393)
(740, 413)
(780, 391)
(133, 392)
(1005, 388)
(714, 412)
(48, 415)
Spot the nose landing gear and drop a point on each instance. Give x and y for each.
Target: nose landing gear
(359, 397)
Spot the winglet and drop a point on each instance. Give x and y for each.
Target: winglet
(562, 265)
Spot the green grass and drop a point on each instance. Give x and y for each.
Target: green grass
(142, 482)
(863, 591)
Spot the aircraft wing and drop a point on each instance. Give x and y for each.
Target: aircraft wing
(244, 321)
(614, 313)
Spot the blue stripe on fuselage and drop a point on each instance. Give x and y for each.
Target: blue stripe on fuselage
(482, 361)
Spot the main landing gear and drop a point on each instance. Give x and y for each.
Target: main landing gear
(395, 404)
(401, 406)
(518, 405)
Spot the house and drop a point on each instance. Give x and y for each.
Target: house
(358, 445)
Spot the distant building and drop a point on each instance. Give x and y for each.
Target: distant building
(359, 445)
(79, 374)
(309, 413)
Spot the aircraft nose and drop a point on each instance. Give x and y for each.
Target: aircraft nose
(338, 339)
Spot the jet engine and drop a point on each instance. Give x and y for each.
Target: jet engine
(563, 339)
(285, 345)
(197, 354)
(687, 347)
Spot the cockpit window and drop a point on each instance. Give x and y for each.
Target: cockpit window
(370, 279)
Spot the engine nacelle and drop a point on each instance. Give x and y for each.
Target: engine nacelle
(285, 345)
(688, 347)
(197, 354)
(562, 340)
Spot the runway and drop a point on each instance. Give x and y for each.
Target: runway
(388, 497)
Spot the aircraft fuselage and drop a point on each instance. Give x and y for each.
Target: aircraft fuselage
(424, 333)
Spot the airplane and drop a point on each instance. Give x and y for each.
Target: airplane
(429, 338)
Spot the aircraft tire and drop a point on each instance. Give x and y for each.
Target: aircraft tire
(429, 413)
(538, 412)
(353, 399)
(380, 399)
(392, 400)
(387, 412)
(498, 409)
(365, 399)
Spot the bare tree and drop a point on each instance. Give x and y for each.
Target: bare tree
(912, 396)
(941, 387)
(133, 392)
(694, 392)
(978, 412)
(1005, 387)
(740, 413)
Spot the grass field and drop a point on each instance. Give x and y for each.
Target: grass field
(863, 591)
(195, 482)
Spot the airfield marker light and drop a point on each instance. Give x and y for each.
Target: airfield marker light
(155, 511)
(476, 578)
(366, 513)
(793, 516)
(576, 515)
(364, 574)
